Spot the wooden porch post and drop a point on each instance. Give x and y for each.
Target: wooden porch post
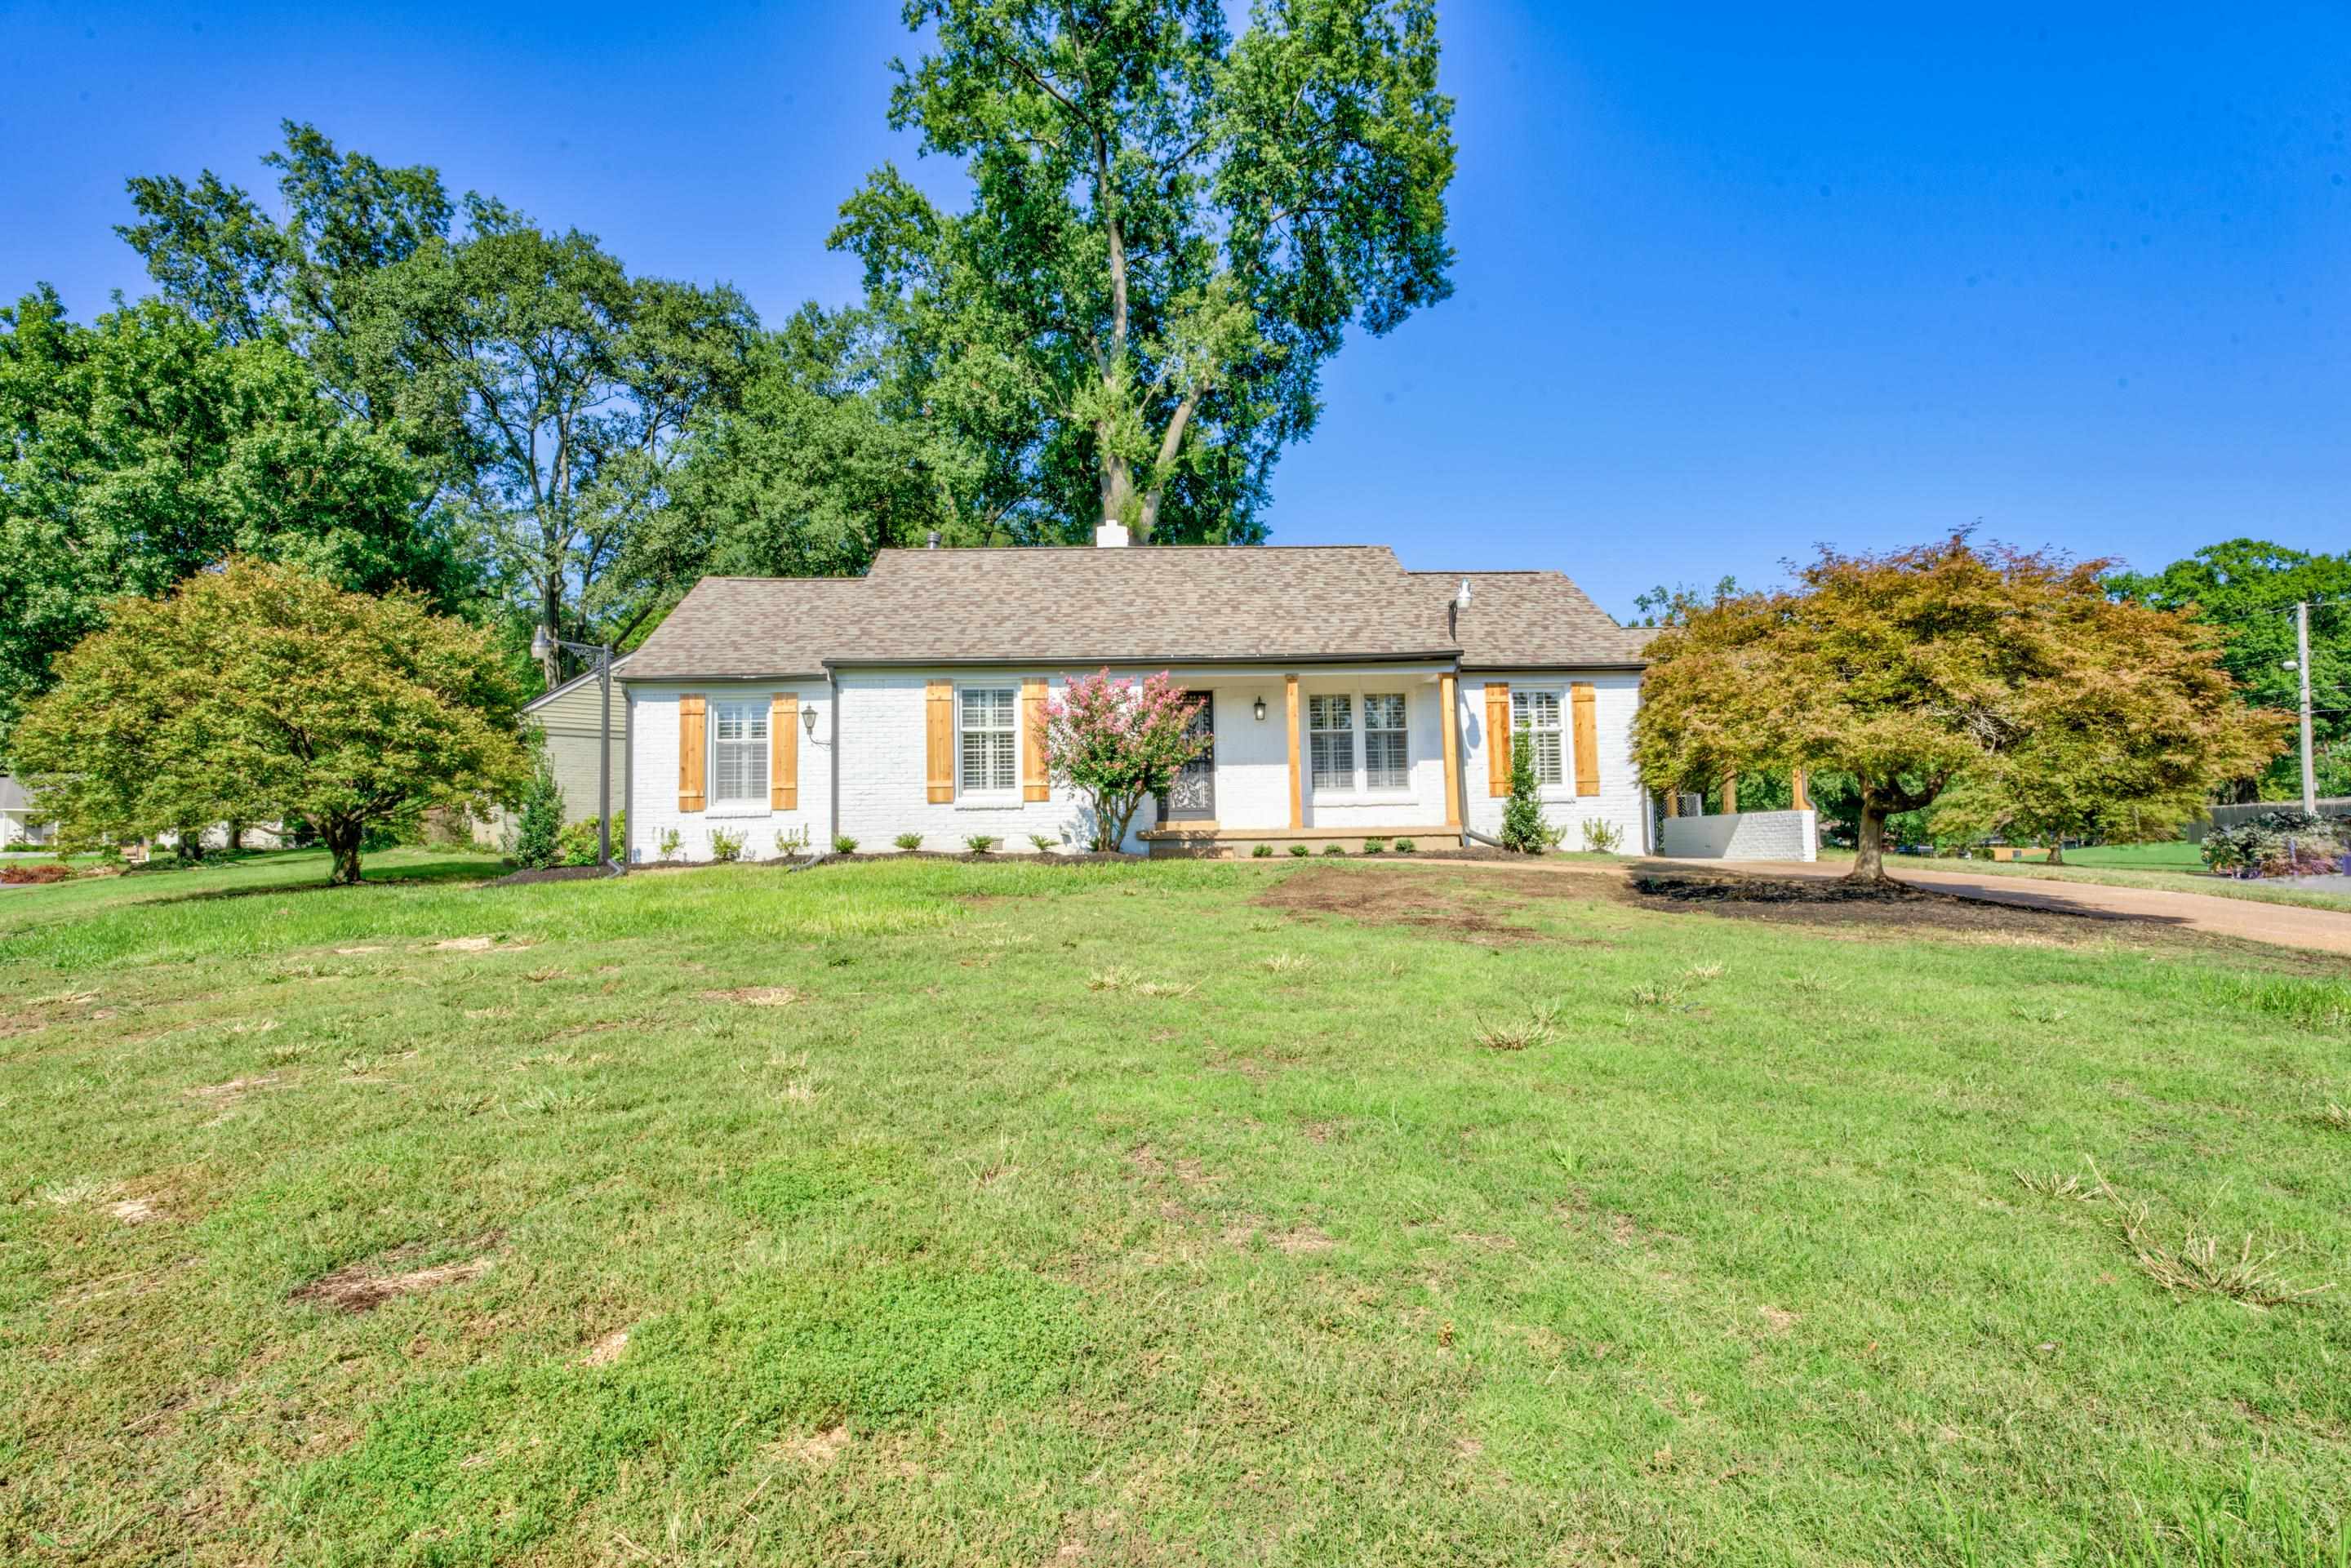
(1804, 799)
(1674, 801)
(1731, 794)
(1297, 784)
(1452, 752)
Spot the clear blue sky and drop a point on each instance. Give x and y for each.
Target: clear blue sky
(1732, 279)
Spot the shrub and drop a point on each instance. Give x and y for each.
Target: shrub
(1523, 827)
(843, 844)
(2259, 846)
(1601, 838)
(725, 846)
(980, 843)
(1046, 843)
(795, 841)
(577, 843)
(1406, 846)
(669, 843)
(1298, 849)
(908, 840)
(1375, 846)
(1332, 850)
(1263, 851)
(539, 825)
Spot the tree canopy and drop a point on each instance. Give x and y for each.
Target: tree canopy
(262, 692)
(543, 389)
(2248, 588)
(1914, 668)
(1170, 230)
(143, 448)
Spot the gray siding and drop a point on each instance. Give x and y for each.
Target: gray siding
(572, 721)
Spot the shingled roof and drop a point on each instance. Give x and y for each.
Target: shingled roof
(1528, 620)
(1145, 604)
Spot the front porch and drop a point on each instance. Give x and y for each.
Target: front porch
(1207, 841)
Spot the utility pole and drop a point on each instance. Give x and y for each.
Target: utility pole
(2302, 665)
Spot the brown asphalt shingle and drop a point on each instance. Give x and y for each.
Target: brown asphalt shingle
(1143, 604)
(1521, 619)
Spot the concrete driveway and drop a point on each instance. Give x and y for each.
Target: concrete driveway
(2283, 925)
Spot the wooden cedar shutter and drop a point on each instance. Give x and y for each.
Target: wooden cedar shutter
(938, 712)
(1036, 782)
(1498, 737)
(1587, 739)
(784, 752)
(691, 750)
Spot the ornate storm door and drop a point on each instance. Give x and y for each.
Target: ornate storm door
(1192, 795)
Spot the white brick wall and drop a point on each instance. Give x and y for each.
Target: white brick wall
(884, 784)
(1742, 836)
(879, 742)
(1621, 803)
(652, 804)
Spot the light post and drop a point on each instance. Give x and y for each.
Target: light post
(541, 645)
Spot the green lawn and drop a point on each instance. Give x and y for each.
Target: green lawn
(934, 1214)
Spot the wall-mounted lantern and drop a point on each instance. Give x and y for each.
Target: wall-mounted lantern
(1259, 710)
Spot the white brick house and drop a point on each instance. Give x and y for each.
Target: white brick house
(1347, 698)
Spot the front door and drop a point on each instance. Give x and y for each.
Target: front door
(1192, 795)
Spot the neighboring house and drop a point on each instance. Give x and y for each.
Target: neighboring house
(18, 830)
(571, 718)
(1347, 698)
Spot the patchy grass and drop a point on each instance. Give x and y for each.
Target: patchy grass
(926, 1212)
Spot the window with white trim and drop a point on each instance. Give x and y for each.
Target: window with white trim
(1330, 729)
(1386, 756)
(739, 752)
(988, 740)
(1535, 713)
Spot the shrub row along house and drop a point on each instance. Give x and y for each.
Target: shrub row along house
(1345, 697)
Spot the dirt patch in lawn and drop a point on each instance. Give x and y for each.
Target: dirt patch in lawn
(363, 1287)
(756, 996)
(1473, 910)
(1839, 907)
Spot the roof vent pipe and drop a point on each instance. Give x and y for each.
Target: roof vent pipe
(1462, 600)
(934, 543)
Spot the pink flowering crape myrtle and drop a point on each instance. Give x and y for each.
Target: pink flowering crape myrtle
(1118, 741)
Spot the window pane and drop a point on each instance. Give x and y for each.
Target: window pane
(1386, 761)
(1334, 759)
(739, 760)
(1538, 713)
(989, 747)
(1331, 720)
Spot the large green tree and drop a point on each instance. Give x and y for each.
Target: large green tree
(812, 469)
(142, 448)
(262, 692)
(543, 388)
(2248, 588)
(1912, 670)
(1170, 230)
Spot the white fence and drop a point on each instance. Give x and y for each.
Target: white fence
(1742, 836)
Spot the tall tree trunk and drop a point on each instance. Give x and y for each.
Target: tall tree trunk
(2058, 849)
(550, 617)
(1869, 844)
(236, 836)
(342, 835)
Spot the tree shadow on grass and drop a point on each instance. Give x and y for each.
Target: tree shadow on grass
(435, 872)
